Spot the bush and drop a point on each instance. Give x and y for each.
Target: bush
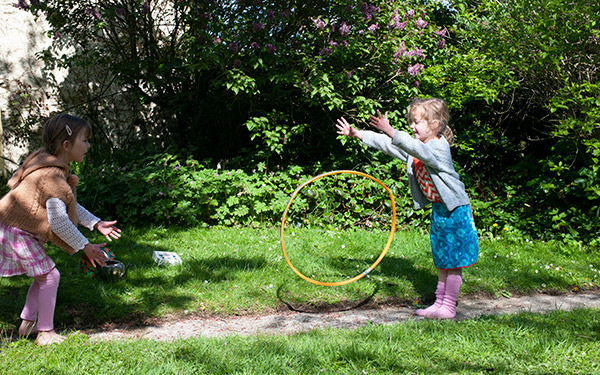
(221, 79)
(522, 77)
(165, 189)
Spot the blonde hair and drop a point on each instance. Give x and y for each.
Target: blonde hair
(62, 128)
(434, 109)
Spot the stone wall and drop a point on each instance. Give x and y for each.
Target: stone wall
(21, 37)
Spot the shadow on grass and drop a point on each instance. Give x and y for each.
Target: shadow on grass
(424, 280)
(84, 302)
(307, 299)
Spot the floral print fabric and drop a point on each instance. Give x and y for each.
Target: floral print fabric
(454, 242)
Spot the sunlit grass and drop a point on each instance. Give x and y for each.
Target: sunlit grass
(555, 343)
(242, 270)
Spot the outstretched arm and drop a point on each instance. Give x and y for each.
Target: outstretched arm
(344, 128)
(382, 124)
(108, 229)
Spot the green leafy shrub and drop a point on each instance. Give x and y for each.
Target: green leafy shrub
(266, 74)
(522, 77)
(165, 189)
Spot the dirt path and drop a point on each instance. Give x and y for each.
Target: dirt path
(291, 322)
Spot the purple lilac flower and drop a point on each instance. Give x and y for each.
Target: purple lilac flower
(333, 43)
(286, 13)
(325, 51)
(271, 48)
(319, 23)
(369, 11)
(441, 43)
(217, 40)
(401, 51)
(410, 13)
(258, 26)
(22, 4)
(421, 23)
(254, 45)
(344, 29)
(441, 32)
(417, 52)
(237, 63)
(94, 12)
(373, 27)
(233, 47)
(57, 34)
(413, 70)
(395, 19)
(270, 15)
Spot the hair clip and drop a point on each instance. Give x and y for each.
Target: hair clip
(69, 131)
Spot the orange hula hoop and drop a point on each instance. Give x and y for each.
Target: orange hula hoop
(385, 249)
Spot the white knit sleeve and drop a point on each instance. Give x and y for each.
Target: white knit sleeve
(62, 226)
(86, 218)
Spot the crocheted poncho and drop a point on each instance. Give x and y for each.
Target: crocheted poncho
(41, 177)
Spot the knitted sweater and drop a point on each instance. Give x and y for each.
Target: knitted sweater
(41, 177)
(436, 158)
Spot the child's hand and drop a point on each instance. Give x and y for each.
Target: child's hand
(344, 128)
(108, 230)
(95, 254)
(381, 123)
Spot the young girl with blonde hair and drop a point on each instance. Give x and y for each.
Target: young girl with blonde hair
(433, 180)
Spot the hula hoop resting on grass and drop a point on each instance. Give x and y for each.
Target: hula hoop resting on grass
(385, 249)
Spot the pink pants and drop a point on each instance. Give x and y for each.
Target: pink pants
(41, 300)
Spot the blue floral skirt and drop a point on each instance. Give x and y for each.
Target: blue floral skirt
(454, 242)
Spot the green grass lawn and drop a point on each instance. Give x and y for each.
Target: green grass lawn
(555, 343)
(241, 270)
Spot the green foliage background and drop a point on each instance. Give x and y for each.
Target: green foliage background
(214, 111)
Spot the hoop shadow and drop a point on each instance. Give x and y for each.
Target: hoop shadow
(299, 302)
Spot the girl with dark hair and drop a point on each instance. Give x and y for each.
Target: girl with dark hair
(41, 206)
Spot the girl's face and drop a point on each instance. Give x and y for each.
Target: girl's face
(422, 129)
(75, 149)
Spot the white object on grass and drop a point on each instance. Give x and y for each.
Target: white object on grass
(166, 258)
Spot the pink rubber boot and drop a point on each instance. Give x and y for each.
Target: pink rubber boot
(448, 308)
(439, 295)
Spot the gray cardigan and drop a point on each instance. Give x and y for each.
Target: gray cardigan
(436, 158)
